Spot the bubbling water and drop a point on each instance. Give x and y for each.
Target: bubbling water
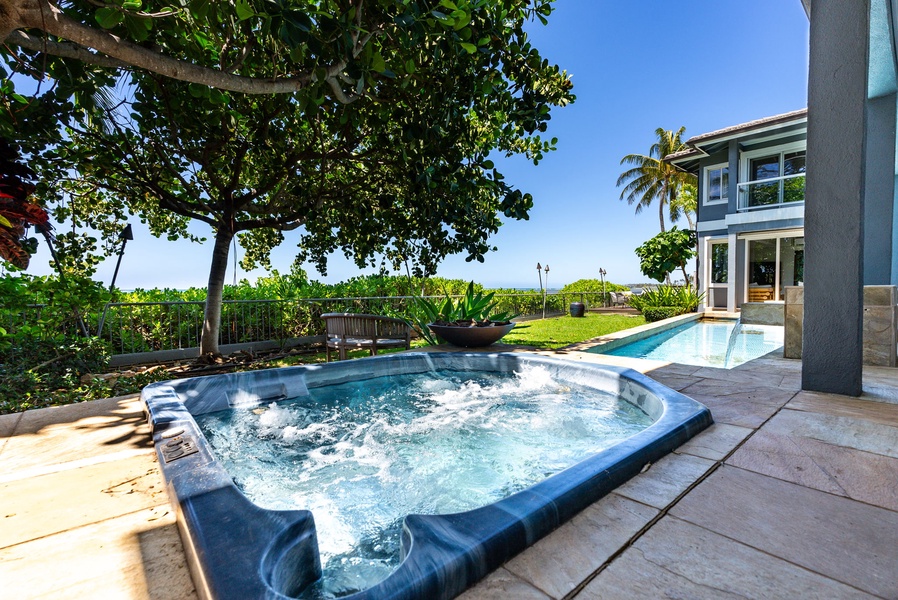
(363, 455)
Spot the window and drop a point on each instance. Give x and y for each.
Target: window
(717, 183)
(719, 262)
(772, 178)
(773, 264)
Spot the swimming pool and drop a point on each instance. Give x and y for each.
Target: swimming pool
(270, 546)
(722, 344)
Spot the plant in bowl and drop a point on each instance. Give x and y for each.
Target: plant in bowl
(469, 321)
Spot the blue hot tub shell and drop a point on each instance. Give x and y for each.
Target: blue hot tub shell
(238, 550)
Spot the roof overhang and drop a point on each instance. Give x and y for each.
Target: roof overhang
(783, 125)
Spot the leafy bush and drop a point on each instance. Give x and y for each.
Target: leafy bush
(594, 286)
(685, 298)
(657, 313)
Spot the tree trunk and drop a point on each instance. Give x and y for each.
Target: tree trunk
(214, 290)
(661, 201)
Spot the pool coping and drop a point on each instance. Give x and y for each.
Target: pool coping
(260, 553)
(623, 337)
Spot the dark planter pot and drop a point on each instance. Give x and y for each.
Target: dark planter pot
(578, 309)
(471, 337)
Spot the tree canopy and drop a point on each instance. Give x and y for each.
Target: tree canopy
(667, 251)
(650, 178)
(389, 156)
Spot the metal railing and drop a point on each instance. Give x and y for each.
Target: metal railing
(133, 328)
(775, 191)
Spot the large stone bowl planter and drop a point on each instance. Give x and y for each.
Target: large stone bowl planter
(471, 337)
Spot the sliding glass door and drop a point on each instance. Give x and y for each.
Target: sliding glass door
(773, 263)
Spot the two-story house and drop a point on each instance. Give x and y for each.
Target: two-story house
(750, 217)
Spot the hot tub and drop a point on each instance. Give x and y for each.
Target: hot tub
(237, 549)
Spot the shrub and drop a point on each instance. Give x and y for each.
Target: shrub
(658, 313)
(594, 286)
(685, 298)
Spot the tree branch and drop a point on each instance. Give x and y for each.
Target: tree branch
(27, 14)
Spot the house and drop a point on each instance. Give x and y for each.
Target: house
(750, 214)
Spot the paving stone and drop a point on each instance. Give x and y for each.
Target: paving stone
(675, 382)
(39, 506)
(674, 369)
(677, 560)
(558, 563)
(665, 480)
(135, 556)
(863, 476)
(502, 585)
(738, 377)
(839, 538)
(842, 406)
(869, 435)
(61, 434)
(715, 442)
(738, 404)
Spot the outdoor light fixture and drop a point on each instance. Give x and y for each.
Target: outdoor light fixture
(545, 289)
(602, 273)
(124, 236)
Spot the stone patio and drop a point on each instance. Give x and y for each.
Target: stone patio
(790, 494)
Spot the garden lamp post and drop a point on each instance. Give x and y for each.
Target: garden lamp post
(546, 290)
(602, 273)
(124, 236)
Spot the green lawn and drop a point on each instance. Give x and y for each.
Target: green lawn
(558, 332)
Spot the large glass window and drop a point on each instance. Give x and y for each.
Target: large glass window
(719, 263)
(717, 184)
(763, 194)
(774, 264)
(773, 179)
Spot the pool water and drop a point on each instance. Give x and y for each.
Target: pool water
(705, 343)
(363, 455)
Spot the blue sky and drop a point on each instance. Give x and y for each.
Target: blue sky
(636, 65)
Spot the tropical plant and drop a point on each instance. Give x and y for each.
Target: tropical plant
(666, 301)
(667, 251)
(650, 178)
(17, 213)
(473, 308)
(685, 204)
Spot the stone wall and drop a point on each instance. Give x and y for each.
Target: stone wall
(762, 313)
(880, 324)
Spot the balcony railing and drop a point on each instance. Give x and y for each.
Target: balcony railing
(776, 191)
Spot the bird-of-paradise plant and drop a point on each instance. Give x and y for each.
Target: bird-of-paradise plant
(650, 178)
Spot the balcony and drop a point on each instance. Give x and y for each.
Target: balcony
(771, 192)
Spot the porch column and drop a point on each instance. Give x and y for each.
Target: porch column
(834, 207)
(879, 191)
(732, 272)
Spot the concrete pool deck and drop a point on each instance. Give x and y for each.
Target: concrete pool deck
(790, 494)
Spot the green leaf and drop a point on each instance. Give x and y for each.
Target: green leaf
(5, 222)
(107, 18)
(244, 10)
(132, 4)
(469, 48)
(377, 62)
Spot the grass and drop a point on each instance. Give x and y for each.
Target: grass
(559, 332)
(546, 334)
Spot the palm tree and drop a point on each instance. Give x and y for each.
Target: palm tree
(650, 177)
(684, 203)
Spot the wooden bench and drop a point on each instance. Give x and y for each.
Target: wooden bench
(348, 330)
(760, 294)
